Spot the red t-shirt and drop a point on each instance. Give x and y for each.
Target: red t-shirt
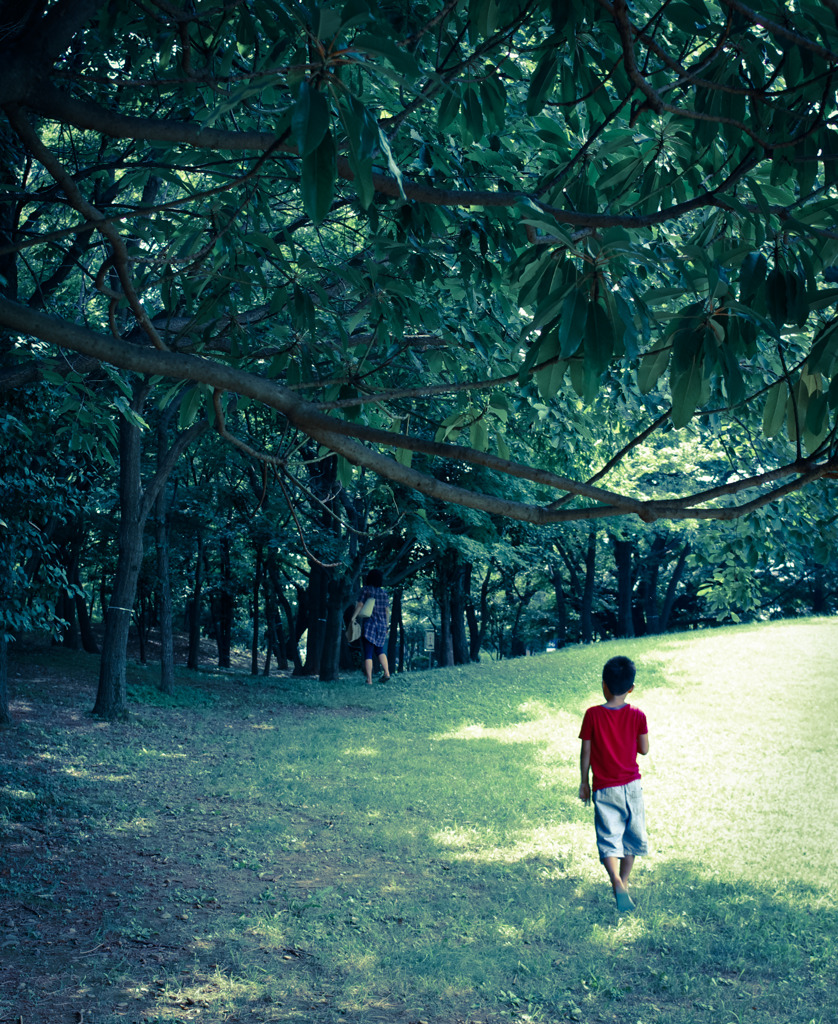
(613, 734)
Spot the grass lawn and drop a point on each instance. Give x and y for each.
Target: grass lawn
(284, 850)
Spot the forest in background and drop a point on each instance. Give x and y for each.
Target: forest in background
(530, 305)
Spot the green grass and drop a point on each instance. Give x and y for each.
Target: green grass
(293, 851)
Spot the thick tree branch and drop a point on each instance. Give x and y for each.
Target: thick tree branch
(345, 438)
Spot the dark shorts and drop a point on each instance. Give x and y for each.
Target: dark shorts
(371, 650)
(620, 819)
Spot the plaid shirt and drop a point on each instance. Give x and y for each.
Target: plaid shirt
(375, 627)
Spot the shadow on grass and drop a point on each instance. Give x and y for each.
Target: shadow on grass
(121, 902)
(381, 858)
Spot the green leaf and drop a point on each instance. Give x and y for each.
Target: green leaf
(379, 46)
(310, 119)
(797, 306)
(472, 114)
(133, 417)
(685, 386)
(751, 276)
(479, 436)
(449, 107)
(362, 138)
(775, 291)
(493, 97)
(542, 81)
(391, 163)
(599, 347)
(624, 172)
(572, 323)
(824, 351)
(484, 15)
(319, 171)
(652, 365)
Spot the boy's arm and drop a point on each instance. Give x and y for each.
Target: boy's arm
(584, 770)
(643, 743)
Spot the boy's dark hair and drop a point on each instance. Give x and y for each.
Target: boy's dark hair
(618, 674)
(374, 578)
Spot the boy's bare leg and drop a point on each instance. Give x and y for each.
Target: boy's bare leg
(618, 872)
(614, 868)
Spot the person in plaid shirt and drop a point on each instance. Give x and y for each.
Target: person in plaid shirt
(374, 628)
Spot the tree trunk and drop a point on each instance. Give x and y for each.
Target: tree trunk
(459, 574)
(444, 644)
(477, 644)
(587, 606)
(141, 602)
(111, 696)
(192, 658)
(257, 589)
(88, 637)
(273, 628)
(317, 604)
(337, 596)
(223, 604)
(648, 590)
(164, 584)
(291, 650)
(672, 589)
(561, 608)
(623, 551)
(5, 715)
(396, 625)
(134, 509)
(66, 609)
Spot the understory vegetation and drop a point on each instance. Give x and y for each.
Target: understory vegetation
(280, 849)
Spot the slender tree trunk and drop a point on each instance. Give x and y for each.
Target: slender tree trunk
(445, 644)
(143, 616)
(648, 595)
(88, 637)
(395, 625)
(587, 606)
(337, 595)
(477, 645)
(66, 608)
(223, 604)
(111, 696)
(460, 576)
(273, 627)
(164, 583)
(623, 551)
(401, 642)
(318, 600)
(672, 588)
(291, 649)
(5, 715)
(192, 658)
(257, 589)
(561, 608)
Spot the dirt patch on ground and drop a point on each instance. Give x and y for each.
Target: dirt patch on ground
(105, 920)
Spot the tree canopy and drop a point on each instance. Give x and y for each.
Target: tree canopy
(454, 242)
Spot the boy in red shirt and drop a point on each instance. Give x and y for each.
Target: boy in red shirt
(612, 735)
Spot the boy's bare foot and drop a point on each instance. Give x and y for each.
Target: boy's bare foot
(624, 902)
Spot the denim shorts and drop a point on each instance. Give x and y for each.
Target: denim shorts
(620, 819)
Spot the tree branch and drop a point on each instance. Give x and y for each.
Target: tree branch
(345, 438)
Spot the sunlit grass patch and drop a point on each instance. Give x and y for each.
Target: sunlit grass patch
(419, 849)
